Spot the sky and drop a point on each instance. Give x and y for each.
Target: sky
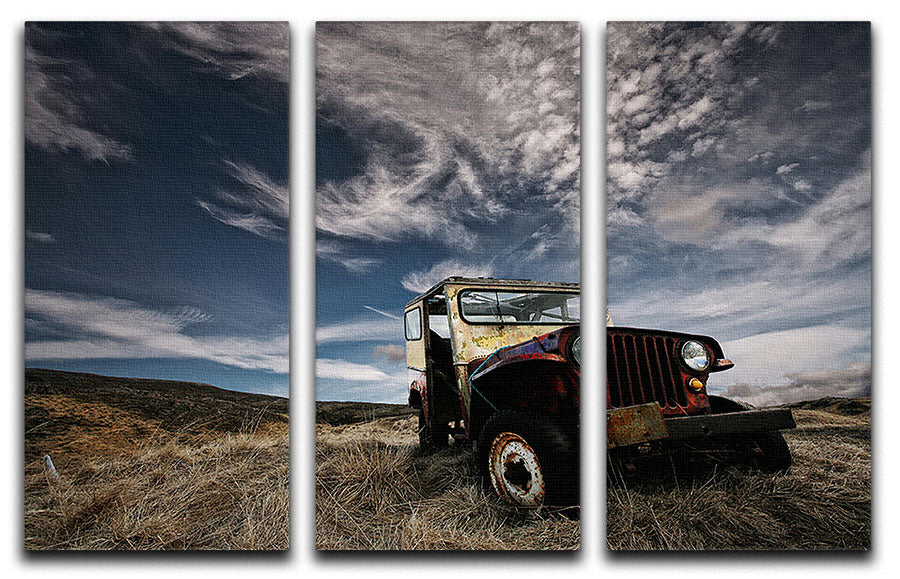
(739, 197)
(441, 149)
(156, 201)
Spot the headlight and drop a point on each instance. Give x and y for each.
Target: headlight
(695, 355)
(576, 350)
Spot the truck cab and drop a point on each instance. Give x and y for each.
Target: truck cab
(496, 363)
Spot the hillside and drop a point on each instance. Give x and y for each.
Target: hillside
(341, 413)
(153, 464)
(861, 406)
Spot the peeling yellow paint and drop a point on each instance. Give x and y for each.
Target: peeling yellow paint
(471, 341)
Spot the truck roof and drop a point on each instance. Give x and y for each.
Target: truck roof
(490, 281)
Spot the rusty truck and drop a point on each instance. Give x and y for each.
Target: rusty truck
(496, 362)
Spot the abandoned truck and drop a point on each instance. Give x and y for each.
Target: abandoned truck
(657, 404)
(497, 363)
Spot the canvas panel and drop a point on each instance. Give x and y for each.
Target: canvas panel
(447, 150)
(739, 273)
(156, 285)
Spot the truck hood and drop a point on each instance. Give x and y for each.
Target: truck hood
(552, 346)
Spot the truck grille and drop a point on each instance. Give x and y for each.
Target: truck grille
(642, 368)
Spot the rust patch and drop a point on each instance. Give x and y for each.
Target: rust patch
(471, 341)
(634, 425)
(515, 471)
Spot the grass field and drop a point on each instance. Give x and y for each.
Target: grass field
(374, 490)
(152, 464)
(823, 502)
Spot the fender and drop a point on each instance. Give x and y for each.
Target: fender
(550, 347)
(542, 363)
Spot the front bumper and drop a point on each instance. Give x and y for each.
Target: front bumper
(645, 422)
(744, 422)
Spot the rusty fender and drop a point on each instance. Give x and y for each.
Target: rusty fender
(550, 347)
(644, 423)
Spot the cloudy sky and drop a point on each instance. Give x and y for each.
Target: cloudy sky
(156, 201)
(739, 197)
(441, 149)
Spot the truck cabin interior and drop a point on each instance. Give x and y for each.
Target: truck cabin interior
(439, 349)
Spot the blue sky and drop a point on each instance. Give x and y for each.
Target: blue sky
(739, 197)
(156, 201)
(441, 149)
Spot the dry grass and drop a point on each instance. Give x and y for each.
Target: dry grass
(375, 491)
(822, 503)
(231, 493)
(134, 474)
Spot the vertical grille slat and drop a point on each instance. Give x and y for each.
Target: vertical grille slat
(629, 370)
(641, 369)
(644, 380)
(612, 373)
(659, 377)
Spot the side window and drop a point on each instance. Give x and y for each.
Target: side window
(440, 325)
(413, 324)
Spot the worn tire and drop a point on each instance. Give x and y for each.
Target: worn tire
(721, 405)
(430, 436)
(528, 460)
(765, 451)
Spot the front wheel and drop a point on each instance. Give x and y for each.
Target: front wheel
(527, 460)
(765, 451)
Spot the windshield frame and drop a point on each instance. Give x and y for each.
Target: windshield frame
(561, 322)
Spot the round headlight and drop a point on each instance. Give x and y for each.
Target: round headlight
(576, 350)
(695, 355)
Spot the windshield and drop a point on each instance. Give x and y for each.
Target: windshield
(504, 307)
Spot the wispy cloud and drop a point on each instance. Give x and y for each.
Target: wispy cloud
(385, 314)
(38, 236)
(56, 91)
(420, 281)
(108, 328)
(361, 330)
(338, 253)
(460, 123)
(238, 49)
(854, 380)
(259, 205)
(339, 379)
(784, 169)
(392, 352)
(810, 106)
(739, 189)
(344, 370)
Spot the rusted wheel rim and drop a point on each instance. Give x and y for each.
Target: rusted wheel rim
(515, 471)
